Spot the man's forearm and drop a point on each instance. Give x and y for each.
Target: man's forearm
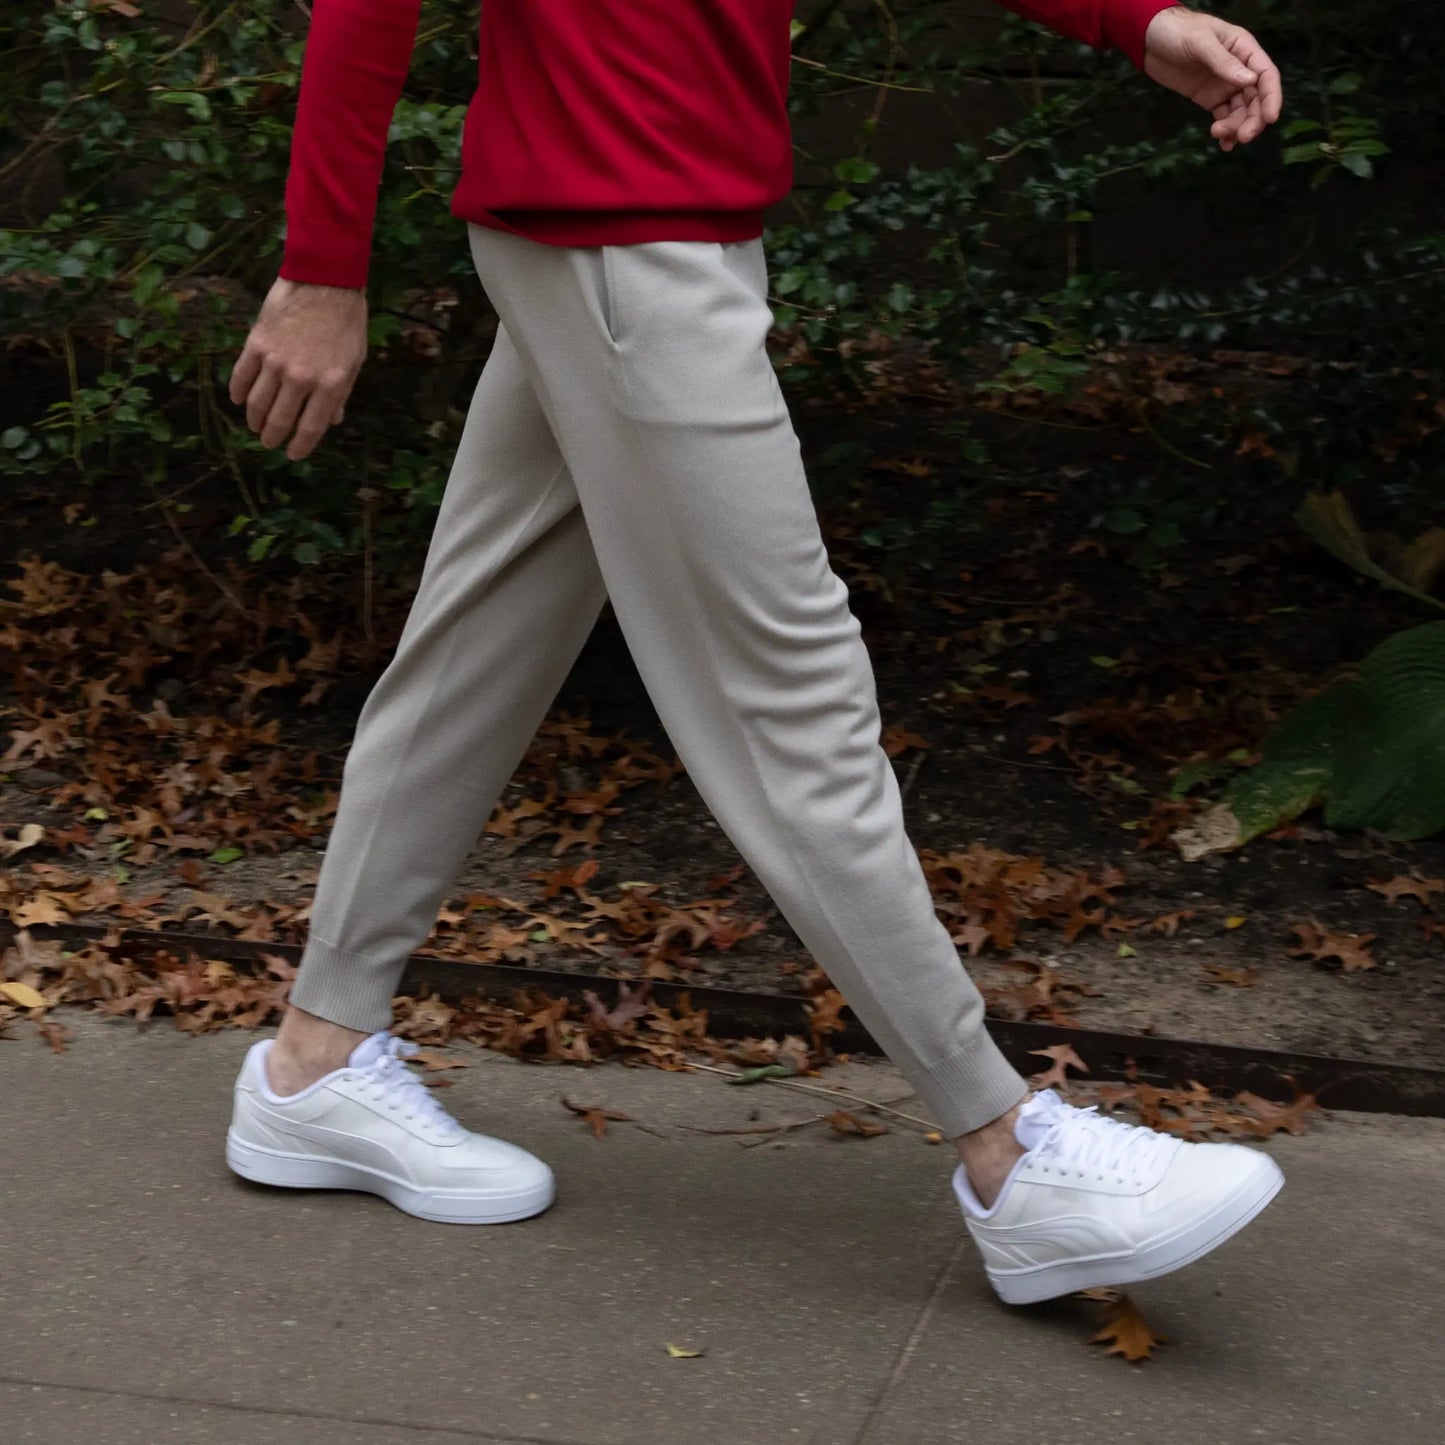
(358, 53)
(1104, 24)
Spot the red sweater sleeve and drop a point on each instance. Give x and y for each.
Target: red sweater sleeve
(1104, 24)
(358, 53)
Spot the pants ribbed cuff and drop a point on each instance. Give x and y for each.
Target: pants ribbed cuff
(346, 988)
(970, 1088)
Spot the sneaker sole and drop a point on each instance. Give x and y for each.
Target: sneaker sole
(1049, 1281)
(301, 1171)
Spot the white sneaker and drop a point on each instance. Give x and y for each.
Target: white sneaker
(374, 1125)
(1096, 1202)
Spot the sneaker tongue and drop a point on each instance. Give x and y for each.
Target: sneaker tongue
(368, 1051)
(1036, 1117)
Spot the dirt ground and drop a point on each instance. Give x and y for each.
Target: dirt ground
(1039, 688)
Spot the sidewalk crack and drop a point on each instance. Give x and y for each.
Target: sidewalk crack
(910, 1346)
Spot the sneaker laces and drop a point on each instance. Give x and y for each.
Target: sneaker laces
(1085, 1141)
(390, 1079)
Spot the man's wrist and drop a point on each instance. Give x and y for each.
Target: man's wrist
(1127, 22)
(294, 286)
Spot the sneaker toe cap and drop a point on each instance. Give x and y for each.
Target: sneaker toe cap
(1206, 1174)
(494, 1163)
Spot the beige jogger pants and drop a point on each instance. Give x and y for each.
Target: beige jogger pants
(629, 439)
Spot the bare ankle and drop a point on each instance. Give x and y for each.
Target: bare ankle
(308, 1048)
(989, 1153)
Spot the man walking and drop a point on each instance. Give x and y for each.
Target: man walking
(629, 440)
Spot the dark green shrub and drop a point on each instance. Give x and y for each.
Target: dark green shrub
(126, 299)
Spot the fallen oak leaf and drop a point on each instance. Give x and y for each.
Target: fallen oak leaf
(596, 1117)
(54, 1034)
(793, 1054)
(1393, 889)
(898, 739)
(1351, 949)
(22, 995)
(30, 834)
(631, 1004)
(1269, 1117)
(1190, 1112)
(1126, 1331)
(41, 909)
(1063, 1057)
(1237, 977)
(972, 936)
(1168, 923)
(1216, 830)
(823, 1017)
(842, 1122)
(189, 870)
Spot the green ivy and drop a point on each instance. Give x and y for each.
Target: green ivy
(165, 145)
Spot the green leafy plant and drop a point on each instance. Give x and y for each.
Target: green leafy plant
(142, 263)
(1371, 749)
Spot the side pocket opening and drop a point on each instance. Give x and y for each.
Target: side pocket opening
(609, 295)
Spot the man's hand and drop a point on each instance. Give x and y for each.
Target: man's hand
(1218, 66)
(300, 362)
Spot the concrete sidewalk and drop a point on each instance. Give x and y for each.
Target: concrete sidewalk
(150, 1298)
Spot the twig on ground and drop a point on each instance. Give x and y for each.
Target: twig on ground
(826, 1094)
(912, 774)
(785, 1129)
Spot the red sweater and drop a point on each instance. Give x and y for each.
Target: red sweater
(595, 122)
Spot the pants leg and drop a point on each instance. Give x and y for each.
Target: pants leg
(509, 592)
(651, 365)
